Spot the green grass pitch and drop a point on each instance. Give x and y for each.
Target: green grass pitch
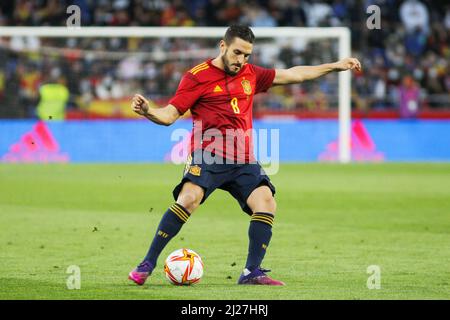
(332, 223)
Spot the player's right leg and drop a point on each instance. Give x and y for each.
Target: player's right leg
(171, 223)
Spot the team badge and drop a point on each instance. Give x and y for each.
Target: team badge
(247, 87)
(195, 170)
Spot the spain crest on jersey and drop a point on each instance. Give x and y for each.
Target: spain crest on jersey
(247, 87)
(195, 170)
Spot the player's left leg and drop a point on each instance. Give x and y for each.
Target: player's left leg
(263, 205)
(252, 188)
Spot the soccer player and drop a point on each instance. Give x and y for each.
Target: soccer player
(219, 93)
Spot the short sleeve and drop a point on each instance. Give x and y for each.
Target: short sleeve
(188, 92)
(264, 78)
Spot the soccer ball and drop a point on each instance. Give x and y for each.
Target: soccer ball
(183, 267)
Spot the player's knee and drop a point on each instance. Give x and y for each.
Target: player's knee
(190, 197)
(266, 203)
(189, 201)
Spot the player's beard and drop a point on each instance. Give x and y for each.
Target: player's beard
(227, 65)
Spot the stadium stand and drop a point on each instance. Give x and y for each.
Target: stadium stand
(410, 54)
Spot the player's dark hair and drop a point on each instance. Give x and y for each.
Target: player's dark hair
(239, 31)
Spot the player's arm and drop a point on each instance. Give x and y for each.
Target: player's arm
(164, 116)
(302, 73)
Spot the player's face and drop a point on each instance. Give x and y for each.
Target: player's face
(235, 55)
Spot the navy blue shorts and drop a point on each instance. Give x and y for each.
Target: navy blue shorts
(238, 179)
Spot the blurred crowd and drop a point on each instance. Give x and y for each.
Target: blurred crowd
(406, 62)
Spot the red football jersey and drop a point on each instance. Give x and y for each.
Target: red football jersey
(223, 104)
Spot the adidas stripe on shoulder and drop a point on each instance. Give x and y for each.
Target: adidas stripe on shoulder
(198, 68)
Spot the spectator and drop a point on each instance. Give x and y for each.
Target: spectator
(232, 11)
(409, 95)
(318, 14)
(413, 14)
(54, 96)
(416, 42)
(30, 79)
(289, 13)
(256, 16)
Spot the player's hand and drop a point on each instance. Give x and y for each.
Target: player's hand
(139, 105)
(348, 64)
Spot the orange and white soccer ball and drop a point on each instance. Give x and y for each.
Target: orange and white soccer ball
(183, 267)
